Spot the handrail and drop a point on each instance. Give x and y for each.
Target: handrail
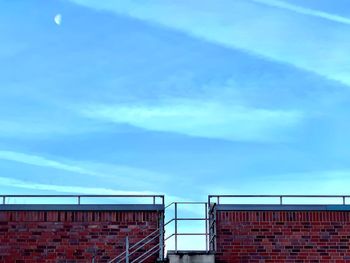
(149, 255)
(176, 219)
(343, 197)
(145, 253)
(137, 249)
(137, 246)
(171, 220)
(79, 197)
(169, 237)
(139, 242)
(184, 203)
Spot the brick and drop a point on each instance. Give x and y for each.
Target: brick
(283, 236)
(56, 236)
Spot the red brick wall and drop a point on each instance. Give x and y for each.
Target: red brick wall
(63, 236)
(283, 236)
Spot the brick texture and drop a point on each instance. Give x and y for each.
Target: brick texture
(283, 236)
(63, 236)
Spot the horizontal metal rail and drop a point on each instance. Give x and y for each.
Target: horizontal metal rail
(185, 203)
(176, 219)
(191, 219)
(79, 197)
(281, 197)
(192, 234)
(187, 234)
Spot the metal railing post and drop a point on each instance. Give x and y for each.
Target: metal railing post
(206, 227)
(214, 230)
(281, 202)
(343, 200)
(175, 227)
(161, 236)
(3, 200)
(127, 249)
(78, 199)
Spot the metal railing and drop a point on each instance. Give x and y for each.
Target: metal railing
(130, 251)
(176, 219)
(280, 197)
(154, 199)
(214, 200)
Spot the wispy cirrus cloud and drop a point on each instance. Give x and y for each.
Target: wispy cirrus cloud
(313, 182)
(203, 119)
(305, 11)
(123, 174)
(75, 189)
(268, 28)
(9, 182)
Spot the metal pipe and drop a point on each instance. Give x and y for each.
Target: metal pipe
(142, 240)
(281, 197)
(161, 236)
(160, 196)
(127, 249)
(206, 227)
(142, 246)
(149, 252)
(175, 227)
(78, 197)
(330, 196)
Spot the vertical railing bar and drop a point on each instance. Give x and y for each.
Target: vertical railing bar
(175, 227)
(281, 201)
(161, 236)
(154, 200)
(343, 200)
(214, 230)
(78, 199)
(206, 227)
(3, 200)
(127, 249)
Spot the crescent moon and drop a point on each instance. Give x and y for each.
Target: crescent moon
(58, 19)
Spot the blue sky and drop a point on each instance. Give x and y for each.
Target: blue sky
(185, 98)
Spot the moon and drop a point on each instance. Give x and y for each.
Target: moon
(58, 19)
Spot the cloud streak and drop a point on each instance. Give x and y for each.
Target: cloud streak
(104, 171)
(203, 119)
(72, 189)
(9, 182)
(305, 11)
(259, 27)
